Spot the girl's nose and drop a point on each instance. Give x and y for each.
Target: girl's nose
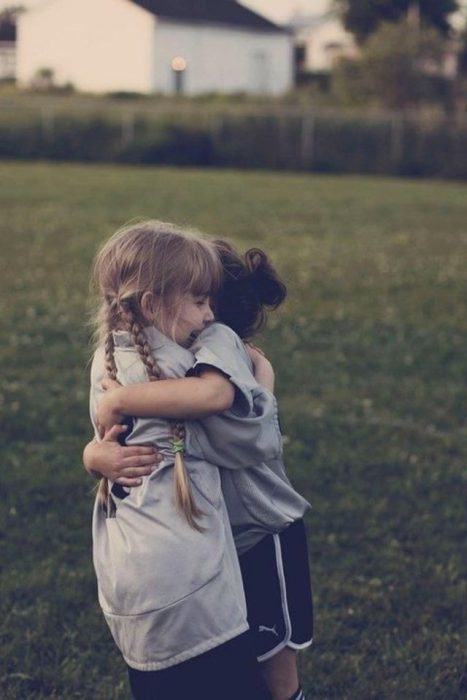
(209, 316)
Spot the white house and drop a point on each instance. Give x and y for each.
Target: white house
(7, 50)
(167, 46)
(320, 40)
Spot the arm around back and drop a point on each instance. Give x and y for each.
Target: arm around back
(190, 398)
(249, 433)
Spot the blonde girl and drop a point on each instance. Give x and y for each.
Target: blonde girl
(264, 509)
(168, 576)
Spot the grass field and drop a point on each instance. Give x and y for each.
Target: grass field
(370, 353)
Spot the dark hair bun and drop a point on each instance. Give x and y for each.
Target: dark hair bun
(250, 286)
(270, 289)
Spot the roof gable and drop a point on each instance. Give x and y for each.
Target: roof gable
(227, 12)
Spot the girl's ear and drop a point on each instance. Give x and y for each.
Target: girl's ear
(147, 306)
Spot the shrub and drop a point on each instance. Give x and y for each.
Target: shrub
(314, 142)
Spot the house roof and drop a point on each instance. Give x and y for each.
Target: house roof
(227, 12)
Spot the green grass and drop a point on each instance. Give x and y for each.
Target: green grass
(371, 359)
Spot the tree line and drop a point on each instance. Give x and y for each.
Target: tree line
(409, 55)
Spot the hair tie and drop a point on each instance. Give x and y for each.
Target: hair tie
(178, 445)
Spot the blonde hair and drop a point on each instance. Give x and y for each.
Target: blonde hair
(155, 257)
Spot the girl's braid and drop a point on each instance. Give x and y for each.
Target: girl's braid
(111, 315)
(183, 492)
(110, 365)
(140, 341)
(111, 369)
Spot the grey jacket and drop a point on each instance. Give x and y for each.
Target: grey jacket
(161, 605)
(259, 497)
(168, 592)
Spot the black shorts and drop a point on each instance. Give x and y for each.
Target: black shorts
(276, 579)
(230, 671)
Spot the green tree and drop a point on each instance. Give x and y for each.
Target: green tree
(363, 17)
(347, 84)
(401, 65)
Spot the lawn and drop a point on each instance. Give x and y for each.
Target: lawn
(371, 360)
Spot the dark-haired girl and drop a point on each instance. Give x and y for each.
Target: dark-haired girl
(264, 510)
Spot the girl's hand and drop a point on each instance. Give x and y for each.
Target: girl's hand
(108, 413)
(122, 465)
(108, 383)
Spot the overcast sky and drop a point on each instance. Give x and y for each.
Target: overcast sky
(277, 10)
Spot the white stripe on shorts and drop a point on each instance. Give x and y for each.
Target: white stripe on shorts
(292, 645)
(285, 609)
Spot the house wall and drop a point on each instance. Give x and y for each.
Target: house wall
(7, 59)
(97, 45)
(110, 45)
(222, 59)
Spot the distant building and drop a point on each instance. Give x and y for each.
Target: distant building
(320, 40)
(147, 46)
(7, 50)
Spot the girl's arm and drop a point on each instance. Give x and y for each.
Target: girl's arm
(189, 398)
(204, 395)
(123, 465)
(179, 398)
(262, 368)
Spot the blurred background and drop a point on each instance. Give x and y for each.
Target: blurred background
(334, 136)
(337, 86)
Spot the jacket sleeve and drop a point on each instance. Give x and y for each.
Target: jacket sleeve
(248, 433)
(96, 391)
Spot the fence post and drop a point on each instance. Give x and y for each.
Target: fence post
(128, 128)
(307, 140)
(217, 130)
(48, 123)
(397, 132)
(217, 135)
(282, 155)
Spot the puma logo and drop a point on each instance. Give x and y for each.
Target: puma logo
(262, 628)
